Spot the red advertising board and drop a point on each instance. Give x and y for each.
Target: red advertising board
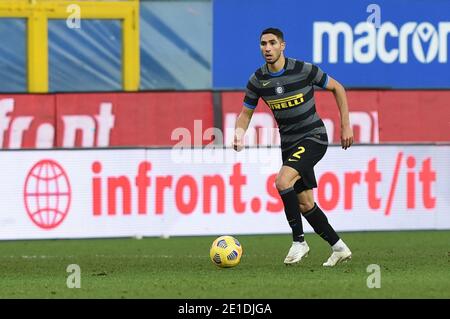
(376, 116)
(27, 121)
(402, 116)
(101, 120)
(422, 116)
(132, 119)
(169, 118)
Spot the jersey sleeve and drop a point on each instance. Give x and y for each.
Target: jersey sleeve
(251, 93)
(318, 77)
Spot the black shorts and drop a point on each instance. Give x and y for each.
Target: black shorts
(303, 157)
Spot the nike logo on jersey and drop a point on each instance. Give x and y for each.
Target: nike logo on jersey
(265, 83)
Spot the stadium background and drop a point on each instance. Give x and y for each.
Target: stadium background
(94, 95)
(155, 74)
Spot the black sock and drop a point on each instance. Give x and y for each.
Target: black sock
(290, 201)
(319, 222)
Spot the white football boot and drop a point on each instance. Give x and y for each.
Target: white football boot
(296, 252)
(340, 253)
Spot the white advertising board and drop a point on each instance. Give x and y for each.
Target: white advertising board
(168, 192)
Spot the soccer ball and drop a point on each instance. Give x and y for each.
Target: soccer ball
(226, 251)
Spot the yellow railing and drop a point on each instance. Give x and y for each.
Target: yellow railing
(37, 13)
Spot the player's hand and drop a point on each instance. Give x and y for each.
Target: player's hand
(238, 144)
(346, 137)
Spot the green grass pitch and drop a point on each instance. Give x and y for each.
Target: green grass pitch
(414, 264)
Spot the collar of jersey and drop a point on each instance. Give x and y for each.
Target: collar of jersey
(277, 73)
(281, 71)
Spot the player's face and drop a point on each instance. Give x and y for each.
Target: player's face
(271, 48)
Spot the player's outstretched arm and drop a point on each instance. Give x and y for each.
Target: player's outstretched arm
(341, 100)
(242, 123)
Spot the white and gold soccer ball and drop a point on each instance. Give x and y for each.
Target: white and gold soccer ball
(226, 251)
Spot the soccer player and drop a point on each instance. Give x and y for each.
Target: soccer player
(287, 87)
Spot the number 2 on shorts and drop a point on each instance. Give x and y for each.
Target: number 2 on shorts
(300, 151)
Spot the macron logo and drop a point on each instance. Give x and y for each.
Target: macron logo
(425, 34)
(364, 43)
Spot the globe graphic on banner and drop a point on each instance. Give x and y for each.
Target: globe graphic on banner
(47, 194)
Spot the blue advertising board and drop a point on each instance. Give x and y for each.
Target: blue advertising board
(362, 43)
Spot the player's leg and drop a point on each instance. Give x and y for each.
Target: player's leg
(319, 222)
(285, 181)
(312, 153)
(315, 217)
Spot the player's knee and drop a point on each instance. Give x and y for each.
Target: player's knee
(306, 205)
(282, 183)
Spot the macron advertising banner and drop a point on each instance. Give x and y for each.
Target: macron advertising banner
(170, 192)
(382, 44)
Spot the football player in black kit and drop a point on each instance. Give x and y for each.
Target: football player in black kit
(287, 87)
